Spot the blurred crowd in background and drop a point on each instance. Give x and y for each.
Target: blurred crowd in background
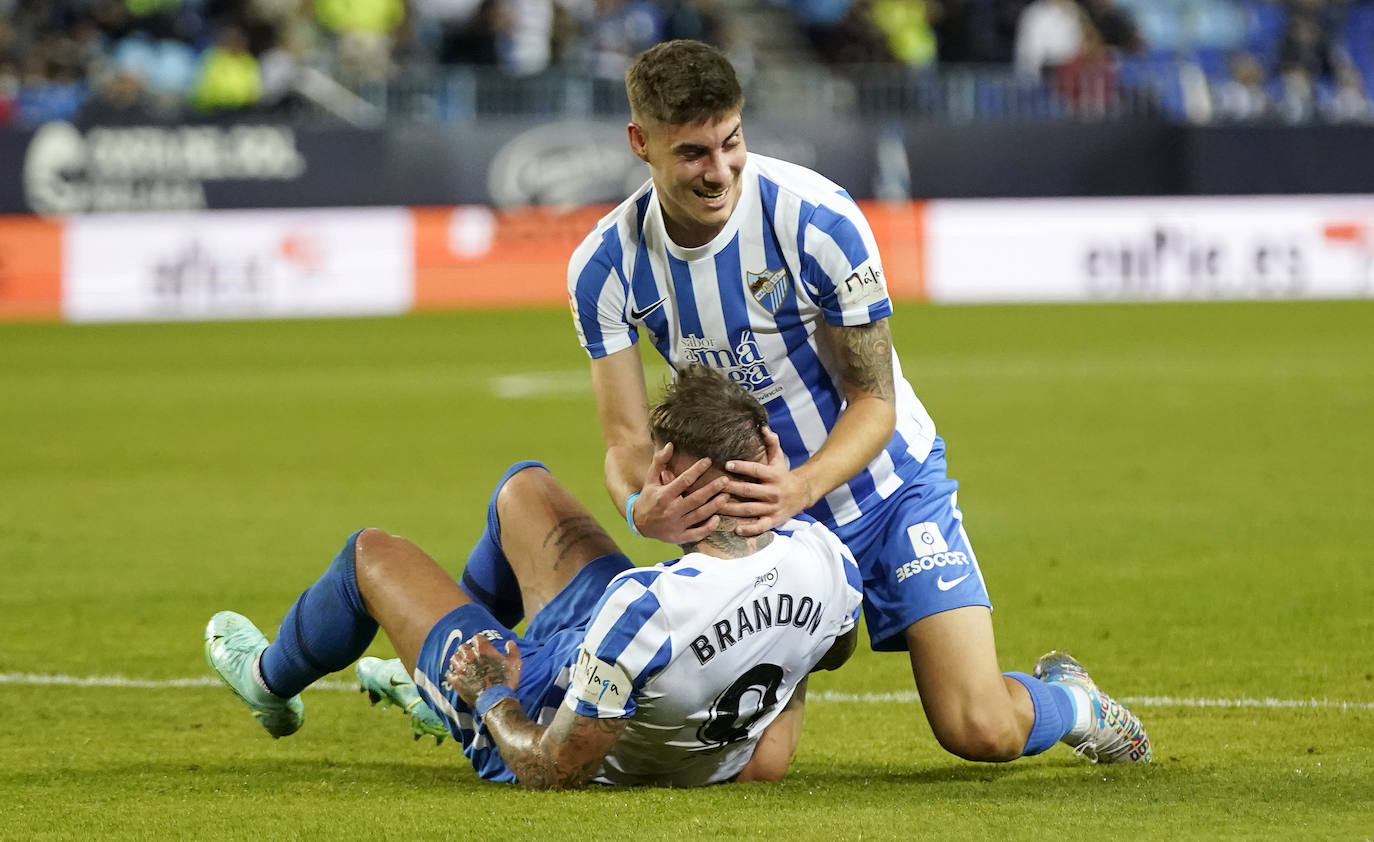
(132, 61)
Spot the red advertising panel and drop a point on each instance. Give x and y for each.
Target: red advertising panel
(472, 256)
(30, 268)
(900, 231)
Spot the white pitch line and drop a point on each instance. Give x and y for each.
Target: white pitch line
(1245, 702)
(541, 384)
(910, 696)
(33, 679)
(906, 697)
(30, 679)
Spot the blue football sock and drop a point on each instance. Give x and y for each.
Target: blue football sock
(488, 578)
(325, 631)
(1054, 712)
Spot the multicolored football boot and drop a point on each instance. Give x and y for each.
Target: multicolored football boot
(387, 682)
(1113, 733)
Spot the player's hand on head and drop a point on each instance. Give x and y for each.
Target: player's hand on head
(770, 496)
(477, 664)
(669, 509)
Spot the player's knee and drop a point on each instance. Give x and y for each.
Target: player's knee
(528, 478)
(981, 735)
(368, 541)
(371, 551)
(521, 490)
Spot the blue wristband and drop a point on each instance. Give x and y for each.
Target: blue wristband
(630, 511)
(490, 696)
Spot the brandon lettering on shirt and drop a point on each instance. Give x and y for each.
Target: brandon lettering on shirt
(766, 612)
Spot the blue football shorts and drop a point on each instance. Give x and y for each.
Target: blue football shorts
(914, 556)
(548, 644)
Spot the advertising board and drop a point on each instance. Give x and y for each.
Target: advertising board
(30, 268)
(1150, 249)
(375, 261)
(237, 264)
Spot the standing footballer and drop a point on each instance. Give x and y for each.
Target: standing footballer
(769, 272)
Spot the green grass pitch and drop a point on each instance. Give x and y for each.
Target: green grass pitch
(1182, 494)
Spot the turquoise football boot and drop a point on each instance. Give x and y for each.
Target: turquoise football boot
(232, 648)
(388, 683)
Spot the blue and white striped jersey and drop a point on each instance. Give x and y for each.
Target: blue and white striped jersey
(702, 653)
(796, 250)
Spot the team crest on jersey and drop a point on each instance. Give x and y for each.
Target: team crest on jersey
(769, 287)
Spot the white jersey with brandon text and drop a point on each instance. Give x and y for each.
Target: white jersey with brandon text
(702, 653)
(796, 251)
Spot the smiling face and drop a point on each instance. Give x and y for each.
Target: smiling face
(696, 171)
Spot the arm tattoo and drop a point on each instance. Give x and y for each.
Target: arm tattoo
(868, 358)
(566, 756)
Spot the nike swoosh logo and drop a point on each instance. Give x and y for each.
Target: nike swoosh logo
(639, 314)
(944, 586)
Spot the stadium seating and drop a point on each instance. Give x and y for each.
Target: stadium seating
(63, 64)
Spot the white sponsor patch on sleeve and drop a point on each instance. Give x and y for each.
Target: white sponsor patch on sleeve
(606, 686)
(863, 287)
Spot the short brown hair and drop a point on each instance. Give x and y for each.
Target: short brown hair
(704, 413)
(682, 83)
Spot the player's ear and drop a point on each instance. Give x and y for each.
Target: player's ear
(639, 141)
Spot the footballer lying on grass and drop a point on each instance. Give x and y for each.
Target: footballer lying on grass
(687, 673)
